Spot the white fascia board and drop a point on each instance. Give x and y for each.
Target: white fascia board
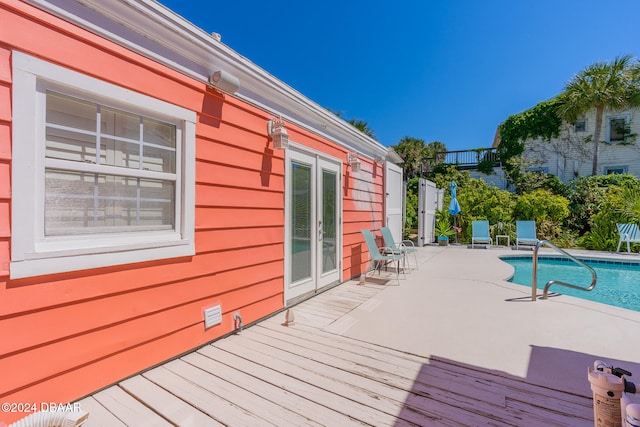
(156, 32)
(394, 157)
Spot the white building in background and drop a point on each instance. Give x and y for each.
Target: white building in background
(570, 155)
(497, 178)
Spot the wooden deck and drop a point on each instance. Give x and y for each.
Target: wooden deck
(309, 375)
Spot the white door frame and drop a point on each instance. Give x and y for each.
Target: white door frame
(394, 200)
(428, 198)
(318, 162)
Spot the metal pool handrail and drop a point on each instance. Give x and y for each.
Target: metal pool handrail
(534, 273)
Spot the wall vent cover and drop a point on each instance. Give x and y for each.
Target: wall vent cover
(212, 316)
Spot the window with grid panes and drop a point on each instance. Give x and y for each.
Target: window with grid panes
(617, 128)
(112, 180)
(106, 170)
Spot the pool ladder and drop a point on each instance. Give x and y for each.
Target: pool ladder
(534, 273)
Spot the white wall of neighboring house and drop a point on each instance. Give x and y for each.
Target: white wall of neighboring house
(569, 156)
(497, 178)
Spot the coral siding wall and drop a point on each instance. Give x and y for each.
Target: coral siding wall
(67, 335)
(363, 208)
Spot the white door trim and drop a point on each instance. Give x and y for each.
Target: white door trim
(394, 200)
(318, 161)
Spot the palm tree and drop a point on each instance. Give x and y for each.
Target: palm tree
(363, 127)
(412, 151)
(436, 150)
(612, 86)
(416, 155)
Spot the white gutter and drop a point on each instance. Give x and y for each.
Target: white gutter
(156, 32)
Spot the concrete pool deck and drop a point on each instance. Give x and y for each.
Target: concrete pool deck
(459, 306)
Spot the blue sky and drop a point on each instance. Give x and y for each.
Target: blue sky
(438, 70)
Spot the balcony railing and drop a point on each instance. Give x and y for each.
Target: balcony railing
(466, 159)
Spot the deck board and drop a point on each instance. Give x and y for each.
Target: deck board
(295, 410)
(128, 409)
(373, 390)
(327, 391)
(100, 415)
(246, 377)
(307, 374)
(354, 388)
(298, 390)
(272, 413)
(388, 380)
(177, 411)
(205, 399)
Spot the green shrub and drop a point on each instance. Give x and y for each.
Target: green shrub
(541, 205)
(588, 195)
(582, 213)
(479, 200)
(619, 204)
(412, 211)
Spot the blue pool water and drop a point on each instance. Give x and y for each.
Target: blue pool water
(618, 281)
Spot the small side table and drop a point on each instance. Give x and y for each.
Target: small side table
(504, 236)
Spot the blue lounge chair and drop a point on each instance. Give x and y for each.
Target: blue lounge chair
(480, 232)
(526, 233)
(628, 233)
(381, 256)
(405, 248)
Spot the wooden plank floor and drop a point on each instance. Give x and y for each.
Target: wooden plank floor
(309, 375)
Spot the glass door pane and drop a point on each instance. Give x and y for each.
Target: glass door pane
(312, 227)
(301, 226)
(329, 219)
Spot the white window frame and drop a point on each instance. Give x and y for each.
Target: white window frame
(581, 120)
(608, 170)
(33, 253)
(627, 120)
(543, 169)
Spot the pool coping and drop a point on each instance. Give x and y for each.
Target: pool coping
(586, 259)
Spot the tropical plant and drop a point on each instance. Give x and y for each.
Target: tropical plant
(603, 235)
(541, 205)
(443, 228)
(599, 239)
(535, 180)
(479, 200)
(443, 214)
(524, 180)
(412, 151)
(434, 152)
(486, 163)
(503, 229)
(411, 210)
(597, 203)
(588, 195)
(630, 205)
(541, 121)
(601, 86)
(363, 127)
(446, 174)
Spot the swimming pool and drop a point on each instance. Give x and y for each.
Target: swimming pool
(618, 281)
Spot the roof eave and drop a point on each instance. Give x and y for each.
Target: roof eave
(156, 32)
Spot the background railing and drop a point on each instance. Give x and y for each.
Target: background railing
(466, 159)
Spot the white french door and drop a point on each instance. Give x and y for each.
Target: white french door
(313, 235)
